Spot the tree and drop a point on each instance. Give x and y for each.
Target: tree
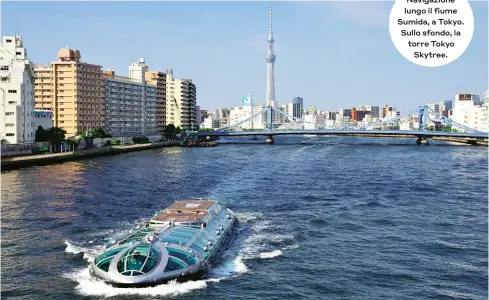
(41, 134)
(177, 130)
(447, 128)
(56, 135)
(96, 133)
(170, 131)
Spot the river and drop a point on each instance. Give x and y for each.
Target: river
(320, 218)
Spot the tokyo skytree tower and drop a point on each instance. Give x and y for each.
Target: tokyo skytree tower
(270, 66)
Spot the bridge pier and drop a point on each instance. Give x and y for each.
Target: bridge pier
(422, 141)
(270, 140)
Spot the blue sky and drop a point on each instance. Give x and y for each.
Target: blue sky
(333, 54)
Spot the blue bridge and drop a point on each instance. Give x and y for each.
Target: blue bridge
(277, 123)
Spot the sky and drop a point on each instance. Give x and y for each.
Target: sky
(333, 54)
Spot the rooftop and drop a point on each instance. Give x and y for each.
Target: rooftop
(186, 211)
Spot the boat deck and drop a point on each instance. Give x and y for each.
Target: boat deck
(185, 211)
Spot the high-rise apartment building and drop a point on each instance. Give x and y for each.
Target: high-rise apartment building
(159, 79)
(16, 87)
(73, 90)
(181, 99)
(373, 111)
(295, 108)
(358, 113)
(131, 103)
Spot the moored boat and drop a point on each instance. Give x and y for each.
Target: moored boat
(178, 241)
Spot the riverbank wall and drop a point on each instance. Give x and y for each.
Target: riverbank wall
(47, 159)
(474, 142)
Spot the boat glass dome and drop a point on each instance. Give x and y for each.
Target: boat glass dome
(139, 260)
(103, 261)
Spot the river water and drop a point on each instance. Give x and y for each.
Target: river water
(321, 218)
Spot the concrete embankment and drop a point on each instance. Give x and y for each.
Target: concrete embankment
(474, 142)
(47, 159)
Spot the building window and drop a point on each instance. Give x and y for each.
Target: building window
(18, 53)
(9, 41)
(12, 91)
(10, 134)
(12, 102)
(9, 113)
(9, 125)
(4, 68)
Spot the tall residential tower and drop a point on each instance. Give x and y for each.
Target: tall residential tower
(16, 87)
(270, 68)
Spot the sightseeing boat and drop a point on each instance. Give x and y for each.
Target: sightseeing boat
(178, 241)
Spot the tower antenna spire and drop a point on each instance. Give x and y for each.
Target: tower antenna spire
(270, 99)
(270, 19)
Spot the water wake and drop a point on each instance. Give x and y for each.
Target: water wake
(89, 286)
(272, 254)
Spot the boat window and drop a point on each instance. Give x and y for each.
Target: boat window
(141, 259)
(104, 265)
(173, 265)
(141, 234)
(186, 257)
(107, 254)
(149, 266)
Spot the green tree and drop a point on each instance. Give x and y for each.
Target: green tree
(178, 130)
(170, 131)
(96, 133)
(56, 136)
(41, 134)
(447, 128)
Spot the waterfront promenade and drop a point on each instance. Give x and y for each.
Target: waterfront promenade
(52, 158)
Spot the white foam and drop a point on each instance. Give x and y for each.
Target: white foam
(239, 266)
(88, 253)
(248, 216)
(272, 254)
(89, 286)
(72, 248)
(294, 246)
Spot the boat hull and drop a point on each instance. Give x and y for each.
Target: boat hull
(127, 262)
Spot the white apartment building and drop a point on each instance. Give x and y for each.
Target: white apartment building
(210, 123)
(130, 103)
(17, 90)
(181, 99)
(240, 113)
(468, 111)
(314, 121)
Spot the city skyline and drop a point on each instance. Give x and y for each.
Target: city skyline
(229, 63)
